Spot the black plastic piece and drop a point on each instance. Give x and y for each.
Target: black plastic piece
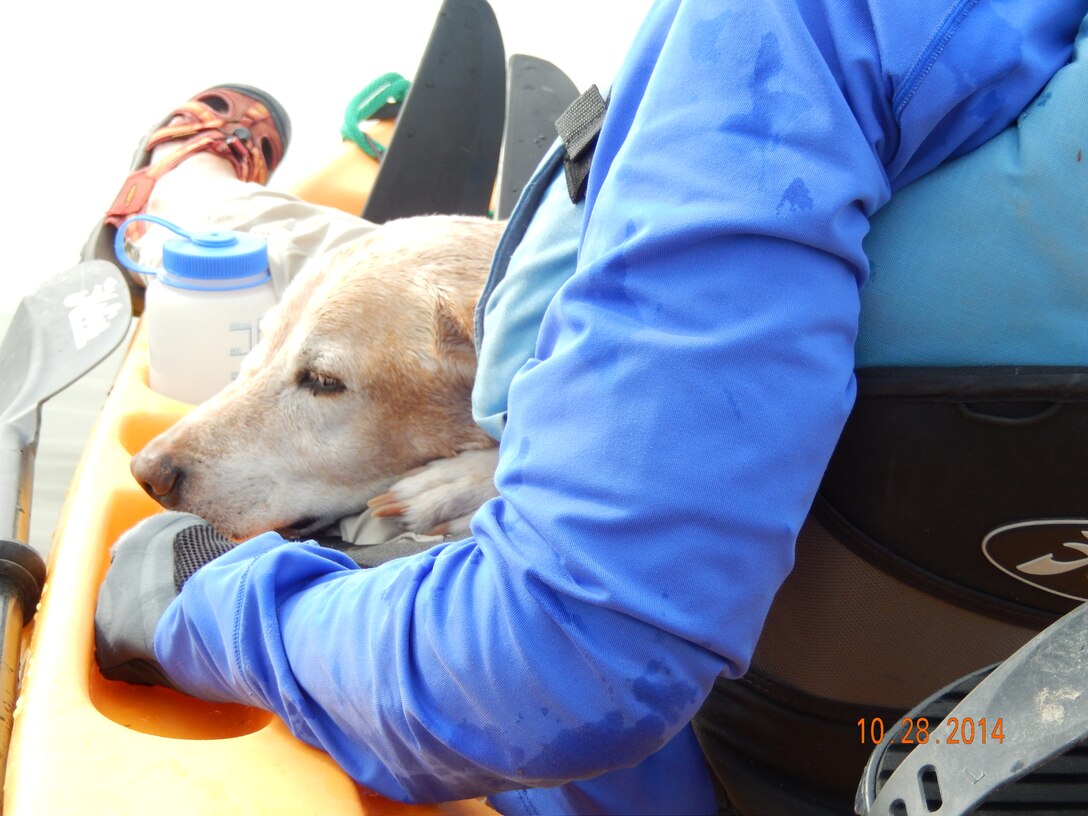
(444, 153)
(24, 566)
(537, 93)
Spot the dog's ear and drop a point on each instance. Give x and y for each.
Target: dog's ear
(453, 329)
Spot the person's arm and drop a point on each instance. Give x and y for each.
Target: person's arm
(661, 451)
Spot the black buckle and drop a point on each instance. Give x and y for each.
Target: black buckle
(579, 127)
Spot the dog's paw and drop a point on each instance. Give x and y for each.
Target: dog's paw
(441, 497)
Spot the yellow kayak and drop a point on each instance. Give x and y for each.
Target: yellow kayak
(83, 744)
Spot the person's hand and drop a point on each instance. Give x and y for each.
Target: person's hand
(149, 564)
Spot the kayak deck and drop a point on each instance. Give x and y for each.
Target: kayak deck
(85, 744)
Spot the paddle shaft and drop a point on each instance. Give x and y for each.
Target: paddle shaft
(11, 630)
(17, 453)
(59, 332)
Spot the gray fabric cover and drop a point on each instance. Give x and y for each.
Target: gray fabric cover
(138, 587)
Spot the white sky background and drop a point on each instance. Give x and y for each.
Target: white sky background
(82, 83)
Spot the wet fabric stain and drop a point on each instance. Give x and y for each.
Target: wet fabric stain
(605, 740)
(658, 692)
(514, 479)
(796, 197)
(1006, 53)
(607, 287)
(551, 606)
(733, 404)
(608, 740)
(773, 111)
(471, 734)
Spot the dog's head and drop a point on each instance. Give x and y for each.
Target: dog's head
(364, 371)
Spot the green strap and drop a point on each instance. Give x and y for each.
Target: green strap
(388, 89)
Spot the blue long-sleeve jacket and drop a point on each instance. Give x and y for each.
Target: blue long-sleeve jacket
(663, 446)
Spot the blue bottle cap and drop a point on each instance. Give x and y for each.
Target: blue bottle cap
(203, 260)
(215, 256)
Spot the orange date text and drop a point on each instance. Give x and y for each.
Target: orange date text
(950, 731)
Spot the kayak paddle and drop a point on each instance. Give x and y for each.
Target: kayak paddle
(58, 334)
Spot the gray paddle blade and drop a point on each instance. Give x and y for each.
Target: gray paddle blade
(59, 333)
(537, 93)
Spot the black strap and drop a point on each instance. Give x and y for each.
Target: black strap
(578, 128)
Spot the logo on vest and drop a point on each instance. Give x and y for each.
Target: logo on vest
(1051, 555)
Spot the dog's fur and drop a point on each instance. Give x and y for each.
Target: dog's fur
(364, 373)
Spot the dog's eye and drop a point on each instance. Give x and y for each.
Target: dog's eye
(320, 383)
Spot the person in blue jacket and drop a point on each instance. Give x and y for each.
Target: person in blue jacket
(662, 447)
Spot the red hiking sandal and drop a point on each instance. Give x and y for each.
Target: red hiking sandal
(242, 124)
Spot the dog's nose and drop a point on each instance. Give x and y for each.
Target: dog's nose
(159, 475)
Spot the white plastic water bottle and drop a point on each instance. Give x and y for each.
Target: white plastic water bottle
(203, 310)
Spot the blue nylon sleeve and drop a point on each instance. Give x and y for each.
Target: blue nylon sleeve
(663, 446)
